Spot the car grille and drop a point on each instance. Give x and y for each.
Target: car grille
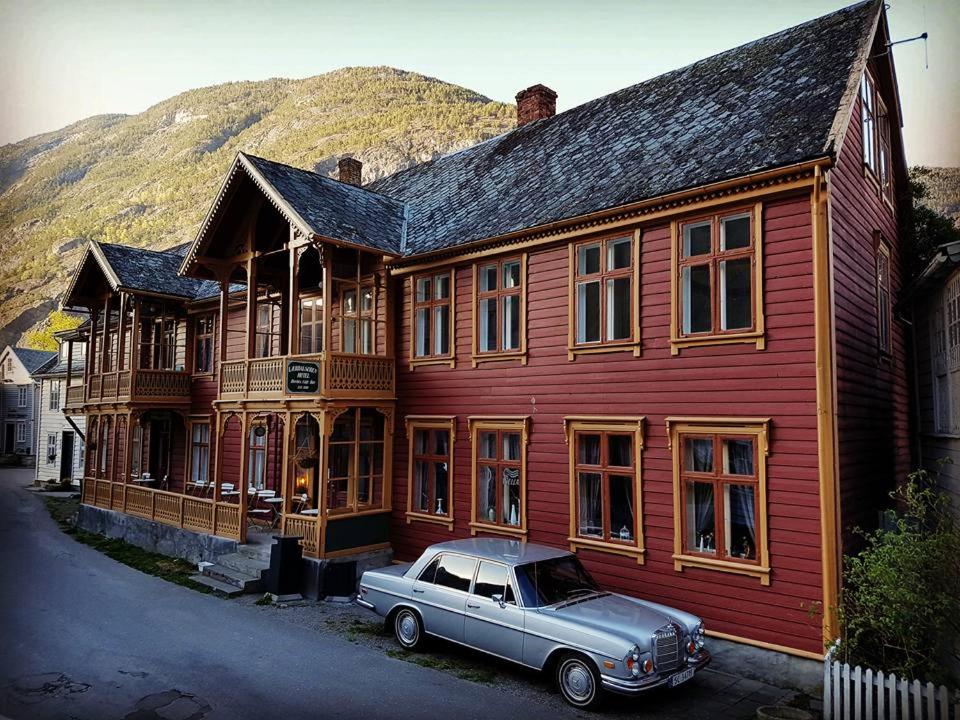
(666, 648)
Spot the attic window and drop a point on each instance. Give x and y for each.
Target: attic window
(875, 129)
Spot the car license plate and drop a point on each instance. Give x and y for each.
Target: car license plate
(680, 677)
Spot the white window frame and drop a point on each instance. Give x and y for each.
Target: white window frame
(51, 448)
(22, 394)
(21, 436)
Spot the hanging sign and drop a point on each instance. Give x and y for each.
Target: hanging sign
(303, 376)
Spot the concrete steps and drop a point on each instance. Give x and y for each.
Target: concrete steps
(217, 586)
(238, 572)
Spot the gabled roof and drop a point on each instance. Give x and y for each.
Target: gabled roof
(318, 206)
(150, 271)
(60, 367)
(767, 104)
(33, 360)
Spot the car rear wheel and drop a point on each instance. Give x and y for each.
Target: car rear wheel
(408, 629)
(578, 680)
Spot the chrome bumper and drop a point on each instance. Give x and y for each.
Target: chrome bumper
(364, 604)
(634, 686)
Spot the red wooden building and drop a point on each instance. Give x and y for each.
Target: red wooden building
(655, 329)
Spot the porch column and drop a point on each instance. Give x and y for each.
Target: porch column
(122, 333)
(244, 459)
(224, 296)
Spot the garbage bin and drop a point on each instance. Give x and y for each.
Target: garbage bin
(340, 578)
(286, 555)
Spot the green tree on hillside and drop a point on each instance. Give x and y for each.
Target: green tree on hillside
(42, 337)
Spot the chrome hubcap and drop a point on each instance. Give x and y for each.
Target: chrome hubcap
(407, 628)
(577, 681)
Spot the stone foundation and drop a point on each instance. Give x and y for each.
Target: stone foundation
(154, 536)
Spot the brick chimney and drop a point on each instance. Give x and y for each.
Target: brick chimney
(535, 103)
(350, 170)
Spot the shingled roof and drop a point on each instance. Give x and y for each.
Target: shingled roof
(153, 271)
(766, 104)
(33, 360)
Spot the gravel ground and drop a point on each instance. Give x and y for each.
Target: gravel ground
(714, 693)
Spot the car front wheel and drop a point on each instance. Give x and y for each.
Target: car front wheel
(578, 681)
(408, 629)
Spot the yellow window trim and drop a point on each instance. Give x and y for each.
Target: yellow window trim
(757, 336)
(634, 343)
(758, 428)
(609, 423)
(476, 356)
(428, 422)
(450, 358)
(516, 423)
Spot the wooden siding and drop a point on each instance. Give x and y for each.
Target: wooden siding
(872, 390)
(730, 380)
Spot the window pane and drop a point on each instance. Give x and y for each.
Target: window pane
(423, 332)
(371, 424)
(511, 275)
(487, 493)
(350, 302)
(621, 507)
(341, 459)
(588, 449)
(701, 534)
(696, 239)
(620, 450)
(349, 335)
(366, 337)
(735, 232)
(511, 322)
(588, 312)
(698, 454)
(491, 580)
(696, 299)
(441, 442)
(488, 324)
(306, 339)
(591, 505)
(618, 309)
(738, 457)
(441, 289)
(588, 259)
(735, 294)
(456, 572)
(511, 496)
(420, 442)
(488, 278)
(488, 445)
(441, 330)
(440, 478)
(423, 289)
(421, 492)
(740, 529)
(618, 254)
(366, 300)
(429, 572)
(511, 446)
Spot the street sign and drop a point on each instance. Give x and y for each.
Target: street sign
(303, 376)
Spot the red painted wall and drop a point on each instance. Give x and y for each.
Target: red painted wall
(872, 391)
(732, 380)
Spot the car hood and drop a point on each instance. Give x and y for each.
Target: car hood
(615, 614)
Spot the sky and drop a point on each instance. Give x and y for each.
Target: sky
(64, 60)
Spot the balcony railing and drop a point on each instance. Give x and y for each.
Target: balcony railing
(333, 375)
(132, 385)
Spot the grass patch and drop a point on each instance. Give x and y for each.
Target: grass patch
(175, 570)
(356, 628)
(265, 600)
(461, 668)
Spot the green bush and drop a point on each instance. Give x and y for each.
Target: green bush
(900, 607)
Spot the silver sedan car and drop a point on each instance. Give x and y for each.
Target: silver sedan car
(539, 607)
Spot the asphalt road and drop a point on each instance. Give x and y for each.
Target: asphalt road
(82, 636)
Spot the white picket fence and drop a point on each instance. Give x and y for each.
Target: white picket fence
(857, 694)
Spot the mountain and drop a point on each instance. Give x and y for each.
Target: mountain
(149, 179)
(943, 189)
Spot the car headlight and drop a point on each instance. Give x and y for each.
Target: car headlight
(698, 639)
(632, 661)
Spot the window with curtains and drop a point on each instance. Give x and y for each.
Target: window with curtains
(498, 307)
(433, 316)
(603, 292)
(605, 478)
(717, 293)
(257, 457)
(720, 494)
(203, 344)
(358, 314)
(884, 303)
(311, 325)
(355, 466)
(499, 477)
(200, 453)
(430, 481)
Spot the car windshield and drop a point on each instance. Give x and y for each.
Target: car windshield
(553, 581)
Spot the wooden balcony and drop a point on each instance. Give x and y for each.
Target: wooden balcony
(155, 386)
(326, 375)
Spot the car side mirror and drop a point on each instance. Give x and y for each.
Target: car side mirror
(498, 599)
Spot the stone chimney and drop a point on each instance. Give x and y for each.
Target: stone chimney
(350, 170)
(535, 103)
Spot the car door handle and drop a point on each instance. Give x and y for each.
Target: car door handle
(419, 592)
(472, 606)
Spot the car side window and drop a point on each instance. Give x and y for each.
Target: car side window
(455, 571)
(429, 572)
(491, 580)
